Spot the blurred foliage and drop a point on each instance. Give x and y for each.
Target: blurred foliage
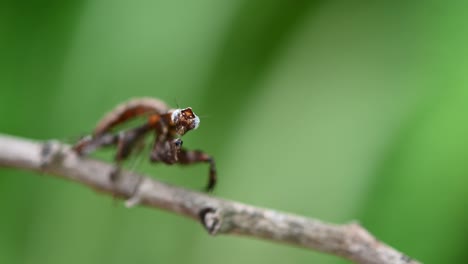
(339, 111)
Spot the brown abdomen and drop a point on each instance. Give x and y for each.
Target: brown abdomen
(130, 109)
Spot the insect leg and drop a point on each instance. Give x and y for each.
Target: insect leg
(196, 156)
(126, 142)
(89, 144)
(166, 151)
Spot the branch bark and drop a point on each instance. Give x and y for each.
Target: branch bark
(218, 216)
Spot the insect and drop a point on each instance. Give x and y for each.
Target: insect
(167, 125)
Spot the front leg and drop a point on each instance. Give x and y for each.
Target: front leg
(166, 151)
(196, 156)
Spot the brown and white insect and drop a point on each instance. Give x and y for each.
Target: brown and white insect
(168, 125)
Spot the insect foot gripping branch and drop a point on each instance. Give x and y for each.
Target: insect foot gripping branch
(167, 125)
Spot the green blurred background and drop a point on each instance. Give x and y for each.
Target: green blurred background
(339, 111)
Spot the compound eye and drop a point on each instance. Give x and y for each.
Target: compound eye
(188, 113)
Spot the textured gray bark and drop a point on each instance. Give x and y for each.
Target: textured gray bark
(218, 216)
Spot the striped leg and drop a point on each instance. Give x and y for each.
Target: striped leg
(196, 156)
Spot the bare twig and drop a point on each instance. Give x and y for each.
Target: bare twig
(218, 216)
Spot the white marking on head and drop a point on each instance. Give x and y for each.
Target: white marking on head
(175, 115)
(196, 122)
